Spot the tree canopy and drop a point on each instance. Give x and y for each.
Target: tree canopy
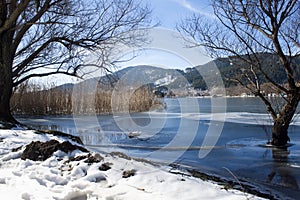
(57, 35)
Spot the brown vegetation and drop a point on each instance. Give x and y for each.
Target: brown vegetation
(31, 99)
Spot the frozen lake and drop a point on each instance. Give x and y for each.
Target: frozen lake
(223, 136)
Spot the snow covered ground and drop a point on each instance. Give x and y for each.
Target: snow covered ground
(115, 176)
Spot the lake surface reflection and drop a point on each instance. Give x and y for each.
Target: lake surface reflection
(226, 139)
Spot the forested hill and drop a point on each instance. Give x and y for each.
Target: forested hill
(179, 79)
(229, 69)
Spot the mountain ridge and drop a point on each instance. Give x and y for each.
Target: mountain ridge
(176, 79)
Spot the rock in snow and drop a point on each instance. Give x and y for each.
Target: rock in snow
(49, 166)
(43, 150)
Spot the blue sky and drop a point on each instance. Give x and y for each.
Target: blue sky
(173, 53)
(170, 12)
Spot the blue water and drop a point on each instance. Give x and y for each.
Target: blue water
(217, 135)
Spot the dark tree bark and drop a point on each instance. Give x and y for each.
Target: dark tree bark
(5, 95)
(6, 82)
(283, 120)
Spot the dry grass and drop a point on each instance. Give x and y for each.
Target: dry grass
(30, 99)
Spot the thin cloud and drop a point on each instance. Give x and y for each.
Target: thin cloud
(186, 4)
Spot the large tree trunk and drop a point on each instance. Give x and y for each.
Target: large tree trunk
(5, 94)
(6, 81)
(281, 124)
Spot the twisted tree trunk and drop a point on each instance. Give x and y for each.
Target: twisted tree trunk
(281, 124)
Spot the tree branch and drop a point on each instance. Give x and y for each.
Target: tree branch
(12, 18)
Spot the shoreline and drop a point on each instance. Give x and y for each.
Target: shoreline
(228, 181)
(15, 171)
(235, 183)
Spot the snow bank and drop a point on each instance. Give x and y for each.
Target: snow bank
(70, 176)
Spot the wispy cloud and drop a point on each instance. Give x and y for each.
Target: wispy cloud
(186, 4)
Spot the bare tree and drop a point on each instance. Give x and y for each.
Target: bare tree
(44, 37)
(247, 31)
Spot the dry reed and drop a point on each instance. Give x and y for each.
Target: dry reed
(32, 99)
